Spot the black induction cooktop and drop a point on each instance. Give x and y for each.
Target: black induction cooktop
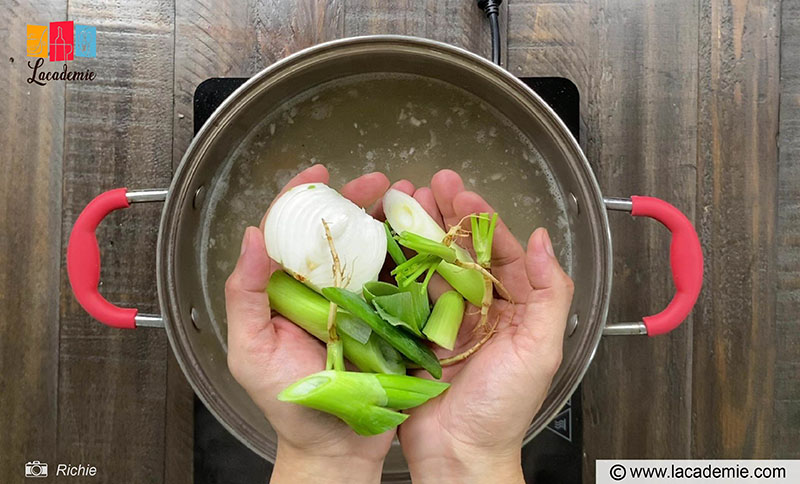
(553, 457)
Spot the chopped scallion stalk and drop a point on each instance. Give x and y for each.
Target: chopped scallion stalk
(356, 398)
(424, 245)
(483, 226)
(468, 282)
(363, 400)
(442, 327)
(309, 310)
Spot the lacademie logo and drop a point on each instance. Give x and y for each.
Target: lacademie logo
(60, 41)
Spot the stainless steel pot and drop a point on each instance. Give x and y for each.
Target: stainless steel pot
(202, 355)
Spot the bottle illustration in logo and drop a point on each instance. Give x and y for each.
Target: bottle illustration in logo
(61, 41)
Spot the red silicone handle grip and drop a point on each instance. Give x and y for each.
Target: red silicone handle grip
(686, 258)
(83, 261)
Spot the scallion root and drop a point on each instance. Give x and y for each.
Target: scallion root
(335, 359)
(466, 354)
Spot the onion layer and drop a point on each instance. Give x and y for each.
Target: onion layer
(296, 239)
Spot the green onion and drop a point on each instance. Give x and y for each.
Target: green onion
(375, 356)
(378, 288)
(309, 310)
(398, 310)
(482, 234)
(335, 355)
(408, 346)
(427, 280)
(405, 214)
(363, 400)
(420, 302)
(442, 327)
(395, 252)
(419, 305)
(356, 398)
(423, 245)
(468, 282)
(409, 271)
(408, 392)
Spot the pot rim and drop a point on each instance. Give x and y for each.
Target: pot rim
(238, 100)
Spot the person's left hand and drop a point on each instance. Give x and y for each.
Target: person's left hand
(266, 354)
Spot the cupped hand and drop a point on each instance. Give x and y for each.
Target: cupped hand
(474, 431)
(267, 353)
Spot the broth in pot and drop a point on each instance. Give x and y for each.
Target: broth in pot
(406, 126)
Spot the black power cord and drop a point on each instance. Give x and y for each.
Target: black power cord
(492, 10)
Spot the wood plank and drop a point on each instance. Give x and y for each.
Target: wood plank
(31, 147)
(112, 383)
(635, 66)
(735, 322)
(178, 426)
(227, 38)
(786, 418)
(456, 22)
(542, 42)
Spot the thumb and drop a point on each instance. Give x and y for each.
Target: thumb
(246, 300)
(547, 305)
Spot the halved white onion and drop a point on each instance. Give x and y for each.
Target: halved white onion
(295, 237)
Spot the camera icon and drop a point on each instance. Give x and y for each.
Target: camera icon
(35, 469)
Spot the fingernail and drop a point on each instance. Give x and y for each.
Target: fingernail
(244, 242)
(548, 245)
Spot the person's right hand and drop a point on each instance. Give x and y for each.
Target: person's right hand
(474, 431)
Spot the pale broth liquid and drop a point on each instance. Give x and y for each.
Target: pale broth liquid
(406, 126)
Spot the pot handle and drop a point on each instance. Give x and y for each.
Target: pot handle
(83, 259)
(686, 259)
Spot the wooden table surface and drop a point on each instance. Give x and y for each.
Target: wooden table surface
(694, 102)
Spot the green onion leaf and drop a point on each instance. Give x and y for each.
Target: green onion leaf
(412, 383)
(413, 349)
(398, 310)
(419, 299)
(395, 252)
(409, 271)
(378, 288)
(353, 327)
